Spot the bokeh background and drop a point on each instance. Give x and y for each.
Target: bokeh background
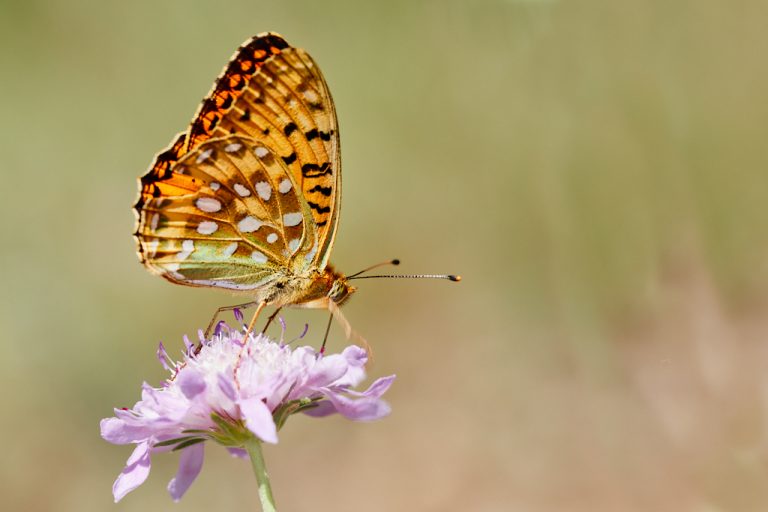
(597, 172)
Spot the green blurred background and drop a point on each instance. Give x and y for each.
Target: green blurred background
(595, 170)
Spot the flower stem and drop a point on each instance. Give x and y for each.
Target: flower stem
(253, 446)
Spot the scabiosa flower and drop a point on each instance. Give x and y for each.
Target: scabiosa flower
(238, 396)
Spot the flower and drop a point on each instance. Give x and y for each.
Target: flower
(228, 392)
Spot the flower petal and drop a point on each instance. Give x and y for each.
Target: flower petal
(226, 387)
(321, 409)
(378, 388)
(361, 409)
(190, 464)
(162, 356)
(188, 345)
(191, 382)
(356, 358)
(258, 419)
(327, 370)
(135, 472)
(238, 452)
(118, 431)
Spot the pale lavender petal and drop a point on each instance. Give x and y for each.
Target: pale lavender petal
(378, 388)
(191, 382)
(149, 394)
(322, 409)
(117, 431)
(258, 419)
(356, 356)
(238, 452)
(190, 464)
(162, 356)
(135, 473)
(361, 409)
(226, 387)
(238, 314)
(326, 371)
(188, 344)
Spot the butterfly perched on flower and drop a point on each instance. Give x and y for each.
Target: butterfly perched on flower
(247, 198)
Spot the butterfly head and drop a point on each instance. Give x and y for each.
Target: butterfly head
(340, 289)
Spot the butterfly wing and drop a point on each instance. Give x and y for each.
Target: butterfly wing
(274, 96)
(229, 216)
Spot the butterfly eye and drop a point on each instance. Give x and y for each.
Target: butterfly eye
(339, 291)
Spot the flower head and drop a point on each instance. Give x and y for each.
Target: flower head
(228, 392)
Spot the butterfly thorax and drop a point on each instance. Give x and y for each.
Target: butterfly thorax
(313, 290)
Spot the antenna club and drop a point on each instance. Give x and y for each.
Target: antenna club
(395, 261)
(455, 279)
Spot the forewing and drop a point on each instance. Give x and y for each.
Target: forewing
(227, 215)
(273, 93)
(287, 105)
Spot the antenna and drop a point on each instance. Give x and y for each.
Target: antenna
(381, 264)
(449, 277)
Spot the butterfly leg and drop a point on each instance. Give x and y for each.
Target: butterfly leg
(249, 330)
(271, 317)
(226, 308)
(325, 338)
(245, 340)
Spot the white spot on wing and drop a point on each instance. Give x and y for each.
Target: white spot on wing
(155, 220)
(292, 219)
(187, 248)
(293, 245)
(152, 247)
(241, 190)
(230, 249)
(264, 190)
(261, 151)
(258, 257)
(285, 186)
(249, 224)
(311, 255)
(310, 96)
(272, 238)
(204, 155)
(207, 227)
(208, 204)
(215, 185)
(231, 148)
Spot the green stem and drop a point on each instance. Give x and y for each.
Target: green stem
(253, 446)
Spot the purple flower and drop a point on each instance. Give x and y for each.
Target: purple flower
(229, 393)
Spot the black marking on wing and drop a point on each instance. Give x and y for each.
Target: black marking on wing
(318, 208)
(290, 158)
(289, 129)
(326, 191)
(315, 171)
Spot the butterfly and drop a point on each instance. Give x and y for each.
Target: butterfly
(247, 198)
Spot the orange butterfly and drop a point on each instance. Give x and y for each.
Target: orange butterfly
(247, 199)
